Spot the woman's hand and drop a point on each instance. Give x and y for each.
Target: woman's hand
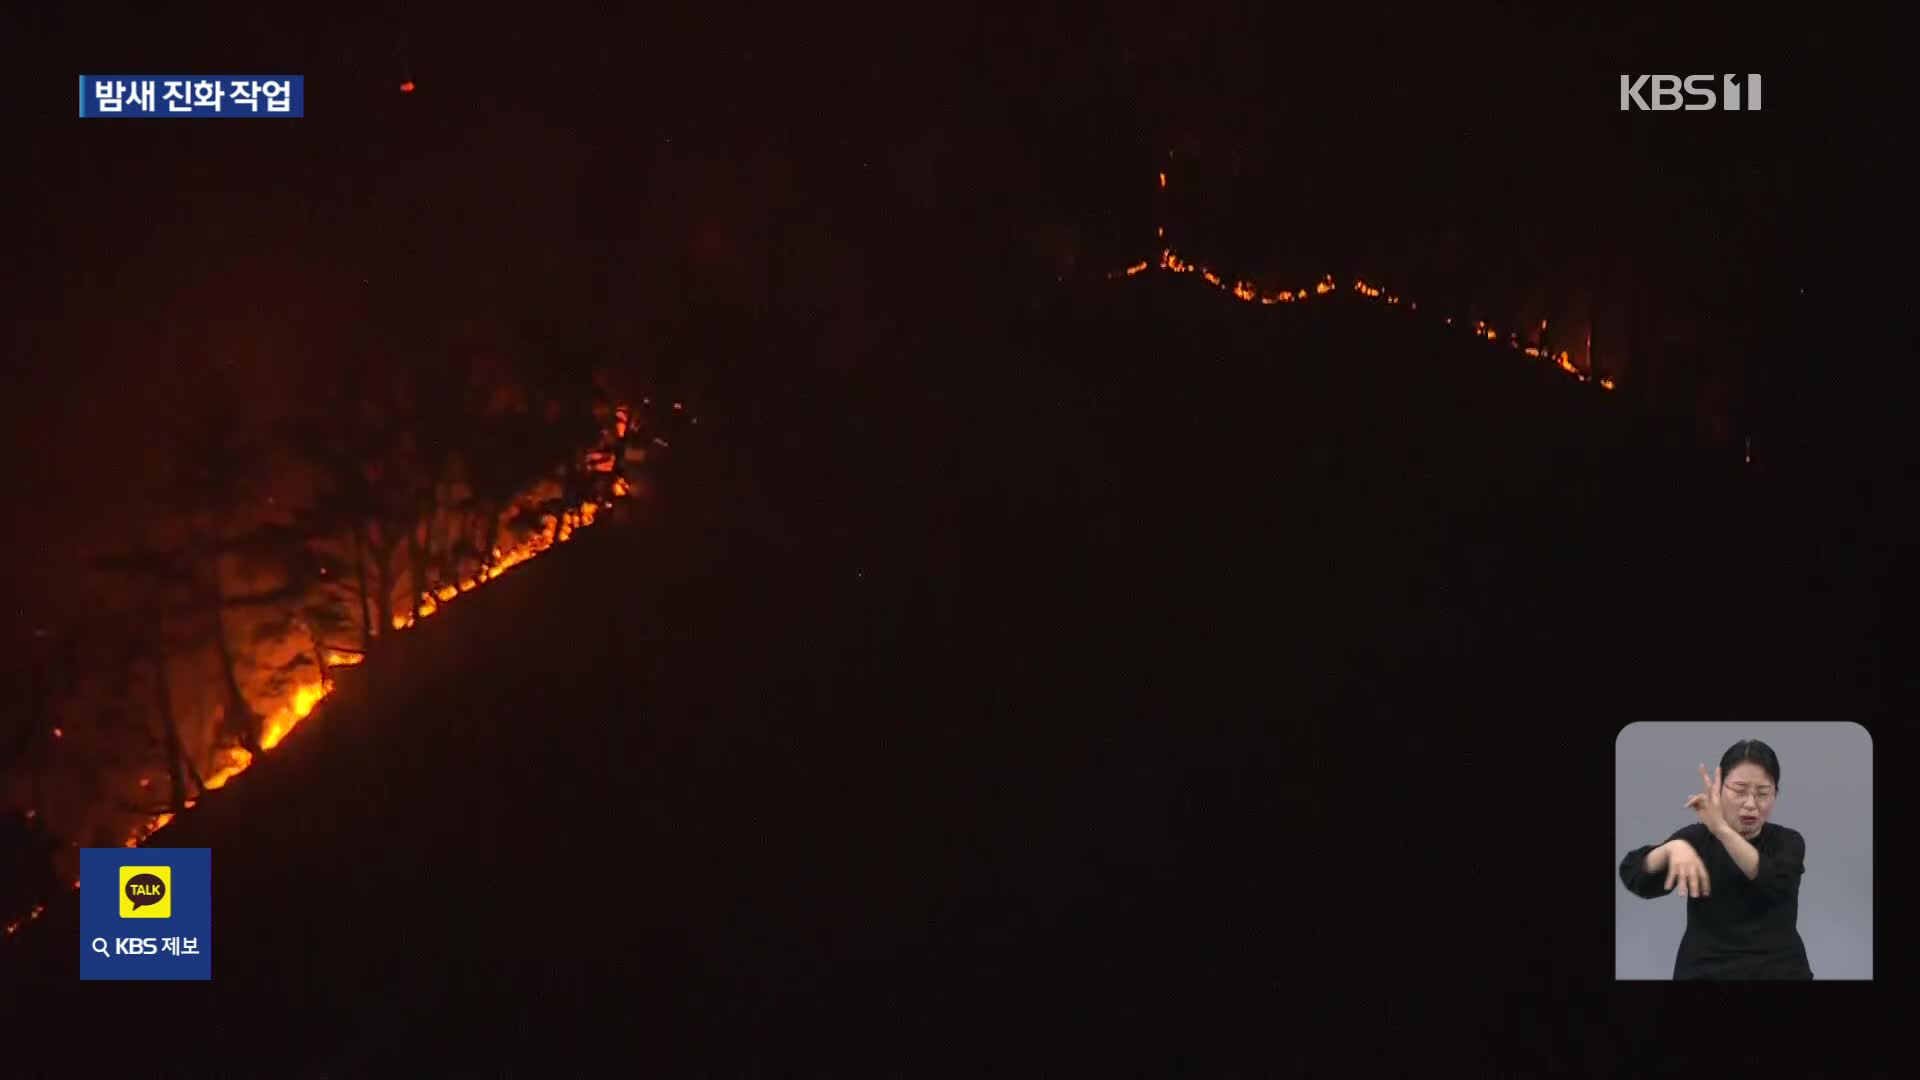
(1685, 869)
(1707, 803)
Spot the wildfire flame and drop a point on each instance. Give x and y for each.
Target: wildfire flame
(305, 697)
(38, 909)
(1247, 292)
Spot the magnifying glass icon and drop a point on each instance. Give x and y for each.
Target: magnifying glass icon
(100, 946)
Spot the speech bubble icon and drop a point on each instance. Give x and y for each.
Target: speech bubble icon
(145, 889)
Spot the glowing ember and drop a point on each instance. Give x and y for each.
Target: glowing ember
(58, 734)
(1136, 268)
(1606, 384)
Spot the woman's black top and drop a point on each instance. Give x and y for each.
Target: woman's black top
(1742, 929)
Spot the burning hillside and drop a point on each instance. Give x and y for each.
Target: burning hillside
(216, 641)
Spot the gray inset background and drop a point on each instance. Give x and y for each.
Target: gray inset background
(1826, 793)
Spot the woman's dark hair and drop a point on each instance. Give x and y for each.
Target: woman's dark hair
(1754, 751)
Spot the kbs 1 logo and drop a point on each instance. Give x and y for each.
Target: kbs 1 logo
(1664, 93)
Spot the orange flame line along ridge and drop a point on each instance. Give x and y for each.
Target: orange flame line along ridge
(1245, 291)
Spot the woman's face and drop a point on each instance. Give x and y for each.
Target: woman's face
(1747, 796)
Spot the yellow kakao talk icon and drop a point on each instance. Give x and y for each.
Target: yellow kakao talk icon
(146, 892)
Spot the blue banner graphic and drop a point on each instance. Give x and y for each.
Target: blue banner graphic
(146, 913)
(253, 96)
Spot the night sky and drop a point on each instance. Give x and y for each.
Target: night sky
(634, 182)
